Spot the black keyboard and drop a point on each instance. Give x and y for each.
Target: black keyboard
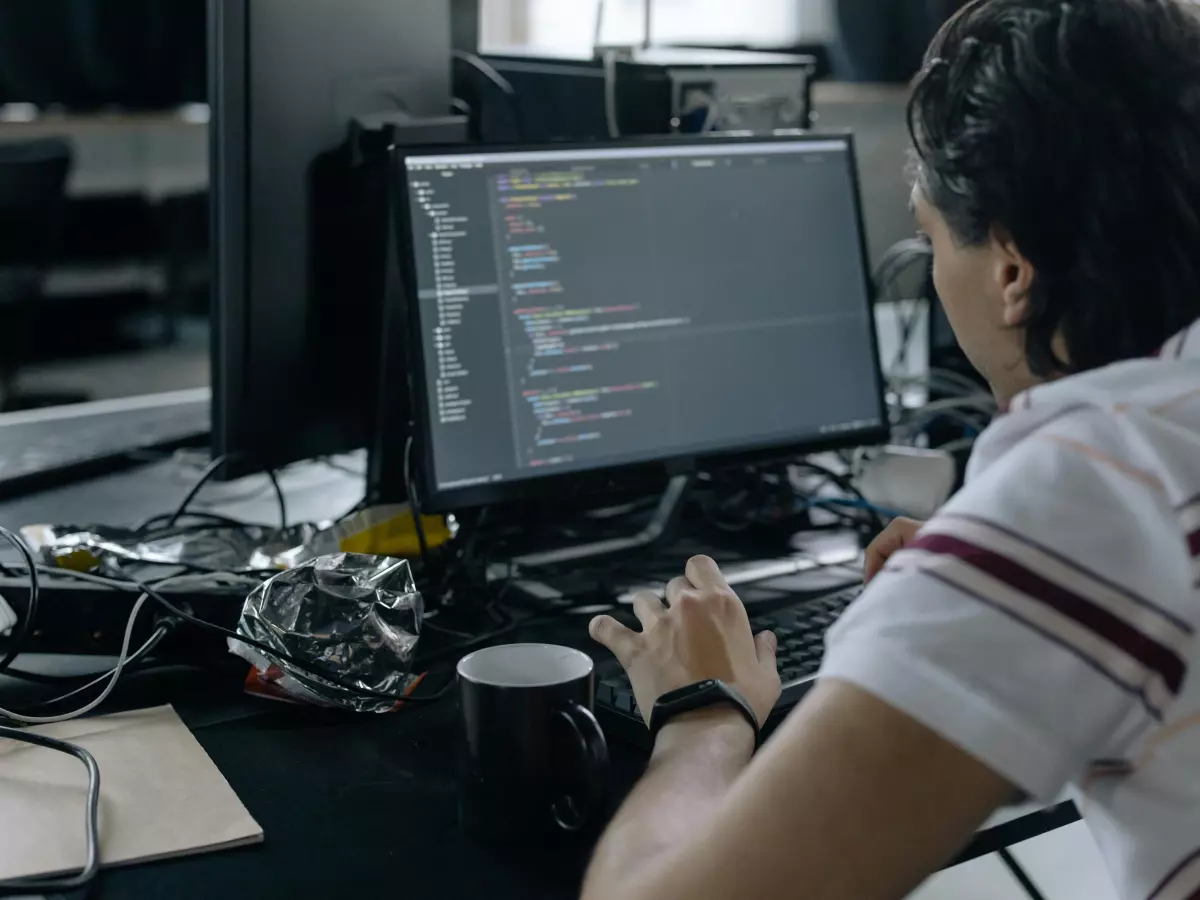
(800, 629)
(42, 449)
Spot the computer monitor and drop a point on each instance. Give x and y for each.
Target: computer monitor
(575, 312)
(295, 349)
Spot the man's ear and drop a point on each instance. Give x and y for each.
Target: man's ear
(1014, 276)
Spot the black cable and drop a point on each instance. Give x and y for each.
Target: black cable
(280, 499)
(846, 484)
(331, 463)
(206, 476)
(24, 886)
(203, 520)
(210, 472)
(1019, 873)
(414, 505)
(17, 644)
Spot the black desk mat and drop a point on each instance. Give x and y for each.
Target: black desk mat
(365, 806)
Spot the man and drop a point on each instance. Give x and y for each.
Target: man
(1038, 633)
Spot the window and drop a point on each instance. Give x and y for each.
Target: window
(568, 25)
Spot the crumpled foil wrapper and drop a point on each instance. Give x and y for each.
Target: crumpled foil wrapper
(220, 548)
(358, 617)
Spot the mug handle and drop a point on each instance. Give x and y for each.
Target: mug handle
(566, 810)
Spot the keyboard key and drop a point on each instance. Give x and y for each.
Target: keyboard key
(604, 693)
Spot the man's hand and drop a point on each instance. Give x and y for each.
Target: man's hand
(891, 541)
(704, 634)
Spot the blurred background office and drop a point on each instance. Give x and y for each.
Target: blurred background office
(104, 267)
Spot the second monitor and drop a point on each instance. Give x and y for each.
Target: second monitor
(584, 310)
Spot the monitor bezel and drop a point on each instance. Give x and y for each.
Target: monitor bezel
(590, 482)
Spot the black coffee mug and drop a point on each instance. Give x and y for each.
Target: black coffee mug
(534, 762)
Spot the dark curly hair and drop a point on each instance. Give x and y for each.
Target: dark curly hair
(1074, 127)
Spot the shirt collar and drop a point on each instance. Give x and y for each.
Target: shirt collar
(1183, 345)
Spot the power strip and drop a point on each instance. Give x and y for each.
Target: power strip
(80, 618)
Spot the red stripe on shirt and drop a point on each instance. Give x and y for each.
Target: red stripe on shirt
(1182, 624)
(1151, 654)
(1194, 543)
(1098, 666)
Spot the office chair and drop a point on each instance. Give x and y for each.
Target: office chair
(33, 179)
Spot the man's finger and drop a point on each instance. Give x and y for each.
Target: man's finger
(648, 608)
(873, 563)
(704, 573)
(608, 632)
(889, 543)
(881, 549)
(766, 645)
(678, 586)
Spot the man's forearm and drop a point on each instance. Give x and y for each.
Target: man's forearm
(696, 759)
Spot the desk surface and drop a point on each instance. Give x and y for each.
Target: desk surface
(350, 805)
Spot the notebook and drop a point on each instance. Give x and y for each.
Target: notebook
(160, 796)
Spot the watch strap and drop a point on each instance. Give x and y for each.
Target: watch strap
(701, 695)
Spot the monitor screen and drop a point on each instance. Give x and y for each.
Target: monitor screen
(587, 309)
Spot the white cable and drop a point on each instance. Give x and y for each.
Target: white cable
(598, 29)
(983, 402)
(141, 651)
(178, 580)
(116, 674)
(610, 94)
(121, 660)
(950, 375)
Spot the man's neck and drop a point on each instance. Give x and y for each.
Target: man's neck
(1011, 382)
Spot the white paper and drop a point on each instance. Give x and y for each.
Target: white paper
(160, 796)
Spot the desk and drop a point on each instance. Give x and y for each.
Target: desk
(156, 155)
(351, 805)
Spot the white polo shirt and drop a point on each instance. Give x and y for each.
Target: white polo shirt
(1045, 620)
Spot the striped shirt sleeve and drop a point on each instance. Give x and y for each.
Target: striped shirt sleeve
(1036, 621)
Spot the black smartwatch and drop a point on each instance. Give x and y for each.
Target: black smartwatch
(701, 695)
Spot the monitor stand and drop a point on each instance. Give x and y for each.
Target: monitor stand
(657, 530)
